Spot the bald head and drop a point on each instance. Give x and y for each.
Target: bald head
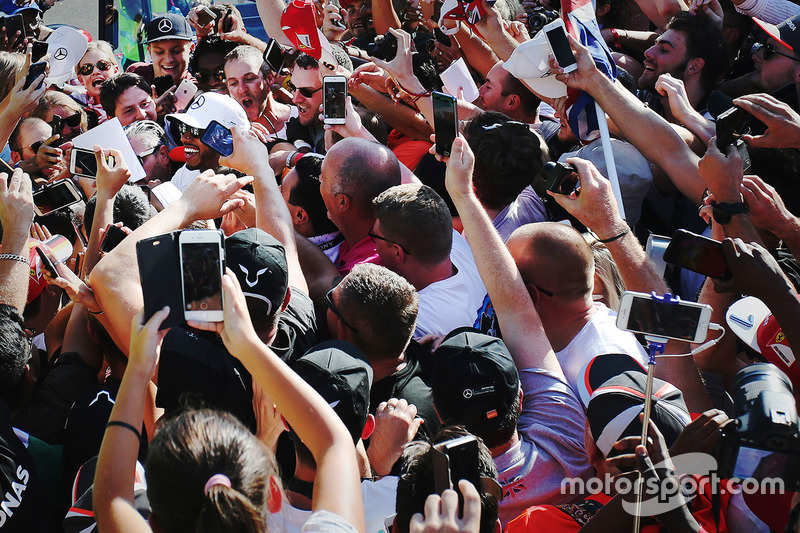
(362, 170)
(555, 257)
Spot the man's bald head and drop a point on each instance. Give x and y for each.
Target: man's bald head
(554, 257)
(362, 170)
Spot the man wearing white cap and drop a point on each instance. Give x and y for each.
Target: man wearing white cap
(190, 126)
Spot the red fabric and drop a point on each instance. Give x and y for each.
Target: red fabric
(772, 509)
(407, 150)
(363, 252)
(299, 23)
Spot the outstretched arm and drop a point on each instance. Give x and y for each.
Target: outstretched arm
(16, 215)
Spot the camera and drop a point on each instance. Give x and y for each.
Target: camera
(763, 441)
(539, 18)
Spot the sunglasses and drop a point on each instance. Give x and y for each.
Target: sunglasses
(307, 92)
(35, 146)
(513, 123)
(204, 76)
(87, 68)
(333, 308)
(769, 50)
(73, 121)
(374, 236)
(183, 128)
(144, 154)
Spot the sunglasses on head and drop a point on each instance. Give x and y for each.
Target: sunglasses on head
(87, 68)
(204, 76)
(184, 128)
(307, 92)
(769, 50)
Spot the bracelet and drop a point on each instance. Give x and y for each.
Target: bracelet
(615, 237)
(615, 35)
(14, 257)
(416, 97)
(94, 313)
(289, 157)
(125, 425)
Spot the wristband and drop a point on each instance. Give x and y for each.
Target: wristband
(289, 163)
(615, 34)
(125, 425)
(615, 237)
(14, 257)
(94, 313)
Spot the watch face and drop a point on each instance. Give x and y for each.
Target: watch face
(721, 215)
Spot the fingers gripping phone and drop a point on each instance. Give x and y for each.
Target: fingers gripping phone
(82, 162)
(454, 460)
(112, 236)
(556, 34)
(334, 89)
(641, 313)
(184, 94)
(219, 138)
(34, 71)
(698, 254)
(163, 83)
(202, 260)
(47, 263)
(445, 122)
(205, 16)
(561, 178)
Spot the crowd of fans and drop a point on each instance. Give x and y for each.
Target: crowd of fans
(380, 299)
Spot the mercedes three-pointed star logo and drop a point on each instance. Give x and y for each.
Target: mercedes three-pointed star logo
(165, 26)
(61, 54)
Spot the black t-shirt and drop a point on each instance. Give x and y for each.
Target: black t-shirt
(313, 135)
(24, 506)
(198, 364)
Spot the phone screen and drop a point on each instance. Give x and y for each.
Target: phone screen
(219, 138)
(663, 319)
(560, 45)
(85, 162)
(14, 24)
(112, 237)
(274, 56)
(55, 197)
(34, 71)
(38, 51)
(445, 122)
(202, 276)
(698, 254)
(335, 96)
(761, 464)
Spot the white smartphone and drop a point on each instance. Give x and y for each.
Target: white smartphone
(556, 34)
(334, 89)
(686, 321)
(83, 163)
(184, 94)
(202, 256)
(55, 196)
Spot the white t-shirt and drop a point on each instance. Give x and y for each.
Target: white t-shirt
(453, 302)
(599, 336)
(183, 177)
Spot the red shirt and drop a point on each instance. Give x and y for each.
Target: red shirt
(363, 252)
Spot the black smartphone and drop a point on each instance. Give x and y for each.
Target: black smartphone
(454, 460)
(445, 122)
(273, 55)
(111, 238)
(5, 167)
(46, 263)
(205, 15)
(34, 71)
(440, 36)
(730, 126)
(163, 84)
(334, 108)
(38, 51)
(55, 196)
(56, 125)
(561, 178)
(386, 47)
(219, 138)
(698, 254)
(14, 24)
(227, 21)
(159, 271)
(78, 263)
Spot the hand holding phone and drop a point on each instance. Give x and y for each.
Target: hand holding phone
(184, 94)
(47, 264)
(55, 196)
(334, 107)
(205, 16)
(445, 122)
(556, 34)
(38, 50)
(162, 84)
(273, 55)
(698, 254)
(112, 236)
(34, 71)
(561, 178)
(219, 138)
(202, 259)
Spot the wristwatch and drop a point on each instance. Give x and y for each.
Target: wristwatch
(723, 212)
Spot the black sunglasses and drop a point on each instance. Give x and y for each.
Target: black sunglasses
(204, 76)
(374, 236)
(769, 50)
(183, 128)
(335, 310)
(35, 146)
(87, 68)
(307, 92)
(73, 121)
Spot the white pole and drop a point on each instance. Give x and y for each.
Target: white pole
(605, 137)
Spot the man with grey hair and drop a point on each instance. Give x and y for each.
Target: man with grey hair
(149, 142)
(249, 81)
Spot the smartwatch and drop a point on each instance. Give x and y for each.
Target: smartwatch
(724, 212)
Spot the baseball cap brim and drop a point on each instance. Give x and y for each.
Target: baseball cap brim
(168, 37)
(529, 63)
(773, 31)
(187, 119)
(744, 317)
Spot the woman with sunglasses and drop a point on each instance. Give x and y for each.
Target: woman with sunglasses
(64, 114)
(95, 67)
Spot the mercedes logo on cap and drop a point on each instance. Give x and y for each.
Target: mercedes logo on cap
(467, 393)
(198, 103)
(61, 53)
(165, 26)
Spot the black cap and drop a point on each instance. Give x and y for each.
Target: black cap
(475, 381)
(338, 371)
(168, 26)
(259, 261)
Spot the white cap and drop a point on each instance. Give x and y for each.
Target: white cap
(66, 47)
(213, 106)
(744, 318)
(529, 63)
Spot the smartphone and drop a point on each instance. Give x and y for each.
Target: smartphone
(38, 51)
(14, 24)
(227, 21)
(112, 236)
(78, 264)
(454, 460)
(219, 138)
(56, 125)
(55, 196)
(698, 254)
(46, 263)
(730, 126)
(445, 122)
(83, 163)
(334, 89)
(686, 321)
(205, 16)
(163, 84)
(556, 34)
(274, 56)
(386, 47)
(34, 71)
(184, 94)
(561, 178)
(5, 167)
(202, 264)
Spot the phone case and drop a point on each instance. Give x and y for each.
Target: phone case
(159, 271)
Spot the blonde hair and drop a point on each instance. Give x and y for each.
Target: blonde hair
(58, 99)
(606, 270)
(103, 47)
